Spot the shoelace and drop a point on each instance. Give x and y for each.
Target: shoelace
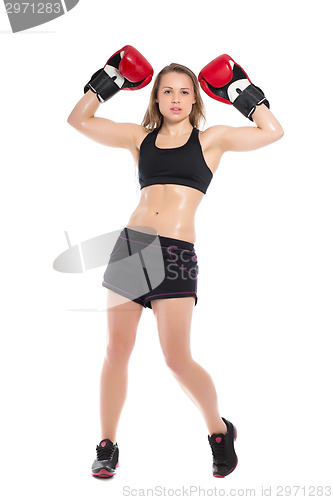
(219, 453)
(104, 453)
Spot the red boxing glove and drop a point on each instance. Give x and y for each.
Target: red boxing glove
(135, 68)
(127, 69)
(224, 80)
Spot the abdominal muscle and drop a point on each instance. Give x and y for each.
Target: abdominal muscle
(169, 209)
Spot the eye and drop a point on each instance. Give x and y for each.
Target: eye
(184, 91)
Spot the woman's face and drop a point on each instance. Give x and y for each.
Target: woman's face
(175, 91)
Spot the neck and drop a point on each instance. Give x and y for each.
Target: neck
(176, 129)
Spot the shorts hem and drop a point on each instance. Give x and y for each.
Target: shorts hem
(147, 301)
(173, 295)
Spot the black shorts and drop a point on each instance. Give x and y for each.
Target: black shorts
(144, 267)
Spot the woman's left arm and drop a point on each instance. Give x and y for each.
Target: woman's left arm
(226, 81)
(268, 130)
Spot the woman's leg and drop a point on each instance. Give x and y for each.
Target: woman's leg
(174, 318)
(122, 323)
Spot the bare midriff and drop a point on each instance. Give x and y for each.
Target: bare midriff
(169, 209)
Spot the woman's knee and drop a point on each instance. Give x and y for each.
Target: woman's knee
(120, 347)
(176, 361)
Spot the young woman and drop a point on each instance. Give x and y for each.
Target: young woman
(176, 163)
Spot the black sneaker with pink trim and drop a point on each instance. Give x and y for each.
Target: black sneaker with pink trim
(224, 457)
(107, 459)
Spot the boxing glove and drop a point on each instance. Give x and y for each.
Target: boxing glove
(224, 80)
(126, 69)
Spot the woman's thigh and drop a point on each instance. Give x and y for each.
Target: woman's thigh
(174, 318)
(122, 323)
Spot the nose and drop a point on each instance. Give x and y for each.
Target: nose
(175, 98)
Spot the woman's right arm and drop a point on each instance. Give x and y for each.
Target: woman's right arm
(102, 130)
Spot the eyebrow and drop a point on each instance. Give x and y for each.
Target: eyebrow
(180, 89)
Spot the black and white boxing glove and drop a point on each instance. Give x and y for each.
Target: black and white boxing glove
(126, 69)
(224, 80)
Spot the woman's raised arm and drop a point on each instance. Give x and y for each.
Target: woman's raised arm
(125, 69)
(268, 130)
(102, 130)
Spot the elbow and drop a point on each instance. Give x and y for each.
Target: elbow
(279, 131)
(277, 134)
(273, 136)
(70, 120)
(74, 122)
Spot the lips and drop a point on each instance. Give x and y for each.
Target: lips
(175, 110)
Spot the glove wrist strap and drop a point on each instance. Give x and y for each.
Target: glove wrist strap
(102, 85)
(247, 101)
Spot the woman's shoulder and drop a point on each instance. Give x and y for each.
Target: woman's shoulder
(140, 133)
(211, 137)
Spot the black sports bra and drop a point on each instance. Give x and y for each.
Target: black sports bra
(184, 165)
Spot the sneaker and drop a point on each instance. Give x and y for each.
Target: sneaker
(107, 459)
(224, 456)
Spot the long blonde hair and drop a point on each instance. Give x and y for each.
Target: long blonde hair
(153, 117)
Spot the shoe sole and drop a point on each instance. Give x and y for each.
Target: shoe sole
(105, 473)
(218, 475)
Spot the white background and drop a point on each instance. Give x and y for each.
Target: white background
(263, 324)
